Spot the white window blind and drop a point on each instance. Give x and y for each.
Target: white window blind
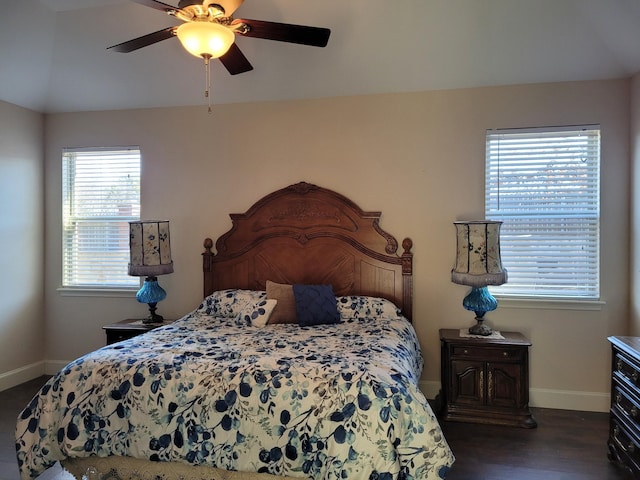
(101, 195)
(544, 185)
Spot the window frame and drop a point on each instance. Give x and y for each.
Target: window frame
(560, 299)
(115, 222)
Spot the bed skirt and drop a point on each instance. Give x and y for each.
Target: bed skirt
(126, 468)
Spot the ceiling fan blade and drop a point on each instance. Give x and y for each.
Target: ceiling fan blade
(235, 61)
(144, 41)
(285, 32)
(157, 5)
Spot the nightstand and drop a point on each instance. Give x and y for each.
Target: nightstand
(129, 328)
(485, 380)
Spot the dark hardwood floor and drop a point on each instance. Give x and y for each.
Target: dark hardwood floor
(12, 401)
(567, 445)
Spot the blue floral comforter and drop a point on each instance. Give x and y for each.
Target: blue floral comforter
(325, 402)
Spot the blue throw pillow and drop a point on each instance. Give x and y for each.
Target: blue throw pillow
(315, 305)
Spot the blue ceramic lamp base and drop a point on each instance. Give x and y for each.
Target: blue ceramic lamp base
(151, 293)
(480, 301)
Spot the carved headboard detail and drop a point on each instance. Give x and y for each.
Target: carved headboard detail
(308, 234)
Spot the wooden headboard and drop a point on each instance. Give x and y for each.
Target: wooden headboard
(307, 234)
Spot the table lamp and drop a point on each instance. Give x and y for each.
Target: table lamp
(478, 264)
(150, 256)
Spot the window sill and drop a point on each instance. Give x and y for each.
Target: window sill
(98, 292)
(550, 303)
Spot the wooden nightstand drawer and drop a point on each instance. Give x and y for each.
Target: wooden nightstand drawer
(626, 406)
(126, 329)
(627, 369)
(625, 444)
(487, 353)
(118, 336)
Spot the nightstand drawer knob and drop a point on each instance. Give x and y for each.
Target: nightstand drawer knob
(505, 354)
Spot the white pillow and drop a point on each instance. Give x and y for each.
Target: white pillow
(257, 314)
(229, 303)
(355, 306)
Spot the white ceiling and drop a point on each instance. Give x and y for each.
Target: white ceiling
(53, 55)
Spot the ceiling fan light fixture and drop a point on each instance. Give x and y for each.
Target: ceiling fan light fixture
(205, 39)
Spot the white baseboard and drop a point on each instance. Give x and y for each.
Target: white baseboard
(29, 372)
(570, 400)
(547, 398)
(21, 375)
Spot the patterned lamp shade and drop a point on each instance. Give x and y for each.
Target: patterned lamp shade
(150, 248)
(478, 262)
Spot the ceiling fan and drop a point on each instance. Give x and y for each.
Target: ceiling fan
(209, 31)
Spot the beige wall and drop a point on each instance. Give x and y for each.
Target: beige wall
(417, 157)
(21, 245)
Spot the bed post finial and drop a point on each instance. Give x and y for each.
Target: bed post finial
(407, 245)
(407, 278)
(207, 260)
(207, 255)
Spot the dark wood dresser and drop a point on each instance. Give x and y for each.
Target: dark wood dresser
(624, 425)
(485, 380)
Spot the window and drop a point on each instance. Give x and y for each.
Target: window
(544, 185)
(100, 195)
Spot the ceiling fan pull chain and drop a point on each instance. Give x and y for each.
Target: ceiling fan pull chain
(207, 74)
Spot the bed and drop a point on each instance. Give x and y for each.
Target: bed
(300, 362)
